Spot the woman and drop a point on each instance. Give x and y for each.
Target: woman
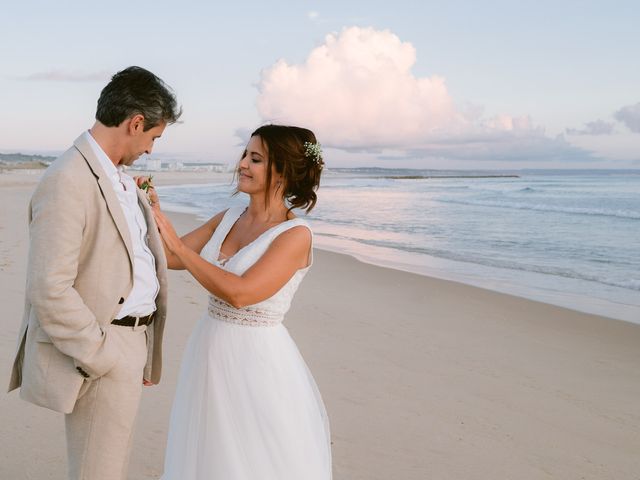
(246, 406)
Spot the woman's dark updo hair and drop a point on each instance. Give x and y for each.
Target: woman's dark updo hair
(290, 157)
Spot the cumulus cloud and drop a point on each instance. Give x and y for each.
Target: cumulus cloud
(357, 91)
(630, 116)
(597, 127)
(62, 76)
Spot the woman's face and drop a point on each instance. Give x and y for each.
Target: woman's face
(252, 169)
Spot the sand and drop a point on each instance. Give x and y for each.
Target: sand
(422, 378)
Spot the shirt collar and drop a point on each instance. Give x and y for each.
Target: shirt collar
(105, 162)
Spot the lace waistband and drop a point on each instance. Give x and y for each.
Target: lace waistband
(242, 316)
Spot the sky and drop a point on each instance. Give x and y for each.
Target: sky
(447, 85)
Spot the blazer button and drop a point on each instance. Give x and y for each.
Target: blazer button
(121, 301)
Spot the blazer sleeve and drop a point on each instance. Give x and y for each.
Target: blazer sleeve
(57, 221)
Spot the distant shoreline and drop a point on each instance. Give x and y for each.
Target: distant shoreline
(22, 166)
(21, 157)
(20, 161)
(423, 177)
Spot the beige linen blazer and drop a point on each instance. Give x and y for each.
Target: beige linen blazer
(79, 272)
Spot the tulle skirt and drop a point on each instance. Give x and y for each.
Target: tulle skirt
(246, 408)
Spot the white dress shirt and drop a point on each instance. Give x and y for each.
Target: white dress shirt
(141, 300)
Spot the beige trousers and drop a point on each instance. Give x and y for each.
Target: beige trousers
(100, 428)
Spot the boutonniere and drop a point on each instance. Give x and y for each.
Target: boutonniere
(146, 186)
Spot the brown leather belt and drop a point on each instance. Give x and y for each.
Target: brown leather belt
(130, 321)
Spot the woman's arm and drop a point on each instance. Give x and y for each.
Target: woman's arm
(287, 253)
(195, 240)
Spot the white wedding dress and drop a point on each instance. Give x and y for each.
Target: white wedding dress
(246, 405)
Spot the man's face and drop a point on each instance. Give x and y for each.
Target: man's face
(141, 142)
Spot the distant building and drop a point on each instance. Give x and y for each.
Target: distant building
(153, 164)
(204, 167)
(174, 166)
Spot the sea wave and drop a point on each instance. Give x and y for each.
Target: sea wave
(629, 284)
(628, 214)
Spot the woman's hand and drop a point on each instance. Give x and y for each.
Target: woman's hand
(145, 183)
(169, 235)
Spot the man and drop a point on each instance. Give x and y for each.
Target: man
(96, 281)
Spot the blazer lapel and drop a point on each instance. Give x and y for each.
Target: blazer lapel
(110, 197)
(154, 242)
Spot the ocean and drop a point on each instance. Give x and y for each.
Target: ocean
(569, 238)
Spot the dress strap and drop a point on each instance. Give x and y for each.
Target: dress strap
(284, 226)
(224, 227)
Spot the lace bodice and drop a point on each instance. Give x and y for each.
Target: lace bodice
(270, 311)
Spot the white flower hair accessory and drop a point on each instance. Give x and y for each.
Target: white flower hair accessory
(314, 152)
